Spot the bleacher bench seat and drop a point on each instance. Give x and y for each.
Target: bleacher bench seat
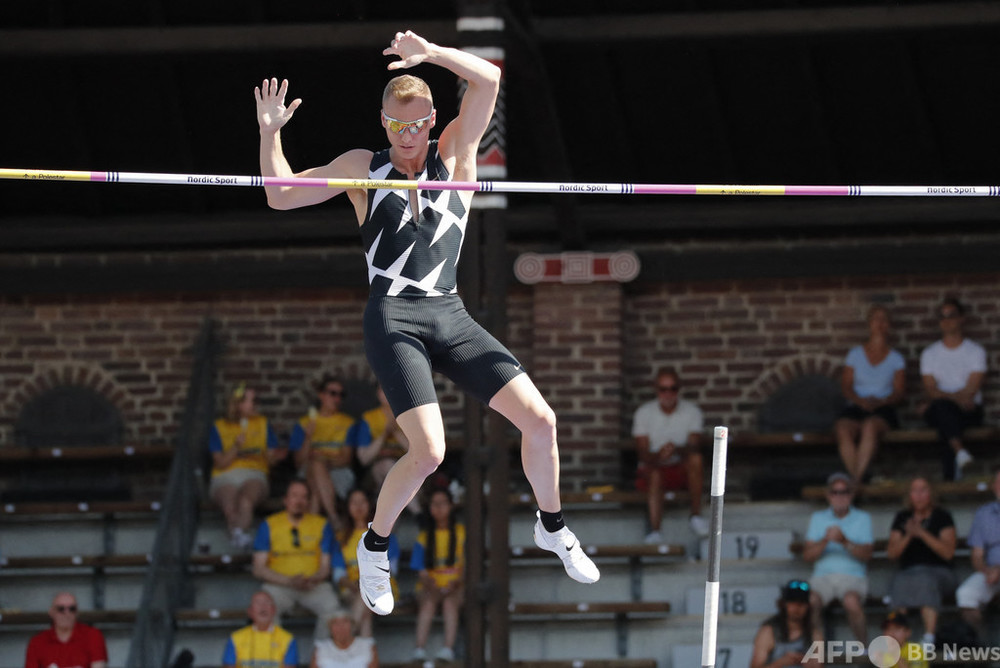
(895, 490)
(89, 452)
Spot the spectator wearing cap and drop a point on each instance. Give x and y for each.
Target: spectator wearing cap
(783, 639)
(344, 649)
(897, 627)
(839, 544)
(69, 643)
(922, 540)
(952, 370)
(984, 552)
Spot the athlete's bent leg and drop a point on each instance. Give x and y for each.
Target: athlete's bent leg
(521, 403)
(424, 428)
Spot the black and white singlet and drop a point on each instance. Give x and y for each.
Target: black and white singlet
(408, 256)
(414, 321)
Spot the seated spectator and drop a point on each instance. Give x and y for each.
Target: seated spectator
(261, 644)
(69, 643)
(439, 558)
(952, 370)
(984, 552)
(922, 540)
(359, 513)
(873, 382)
(243, 447)
(784, 638)
(343, 649)
(667, 432)
(839, 541)
(911, 655)
(386, 443)
(294, 552)
(323, 452)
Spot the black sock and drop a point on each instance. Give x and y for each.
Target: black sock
(375, 542)
(552, 521)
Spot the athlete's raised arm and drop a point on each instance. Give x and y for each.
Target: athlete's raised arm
(460, 139)
(272, 115)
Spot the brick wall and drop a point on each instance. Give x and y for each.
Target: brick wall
(591, 349)
(577, 367)
(735, 342)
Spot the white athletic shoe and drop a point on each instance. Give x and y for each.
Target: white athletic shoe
(241, 540)
(419, 654)
(654, 538)
(376, 588)
(445, 654)
(700, 526)
(962, 459)
(566, 546)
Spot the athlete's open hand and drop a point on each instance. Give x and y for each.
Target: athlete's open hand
(272, 114)
(411, 48)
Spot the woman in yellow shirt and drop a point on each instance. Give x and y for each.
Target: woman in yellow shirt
(439, 556)
(323, 447)
(243, 447)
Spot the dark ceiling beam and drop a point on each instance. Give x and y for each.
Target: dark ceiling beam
(613, 227)
(602, 29)
(344, 268)
(820, 260)
(768, 22)
(212, 39)
(534, 225)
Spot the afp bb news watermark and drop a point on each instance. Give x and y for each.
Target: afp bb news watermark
(885, 652)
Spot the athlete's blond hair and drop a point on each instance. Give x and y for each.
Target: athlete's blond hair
(405, 88)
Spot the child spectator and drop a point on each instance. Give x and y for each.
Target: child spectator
(439, 557)
(359, 514)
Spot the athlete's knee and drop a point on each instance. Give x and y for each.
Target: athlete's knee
(542, 426)
(424, 460)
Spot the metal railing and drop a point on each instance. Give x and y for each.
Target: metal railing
(166, 580)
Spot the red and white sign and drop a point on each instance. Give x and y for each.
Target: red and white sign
(577, 267)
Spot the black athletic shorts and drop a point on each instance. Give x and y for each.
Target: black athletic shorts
(887, 413)
(408, 337)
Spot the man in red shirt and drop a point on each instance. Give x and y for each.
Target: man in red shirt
(68, 644)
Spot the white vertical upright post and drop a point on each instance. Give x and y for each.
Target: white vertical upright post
(711, 623)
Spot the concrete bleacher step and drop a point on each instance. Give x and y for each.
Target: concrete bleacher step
(84, 535)
(200, 630)
(753, 544)
(568, 663)
(537, 577)
(734, 599)
(728, 655)
(30, 592)
(974, 488)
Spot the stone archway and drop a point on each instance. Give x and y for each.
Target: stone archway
(800, 393)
